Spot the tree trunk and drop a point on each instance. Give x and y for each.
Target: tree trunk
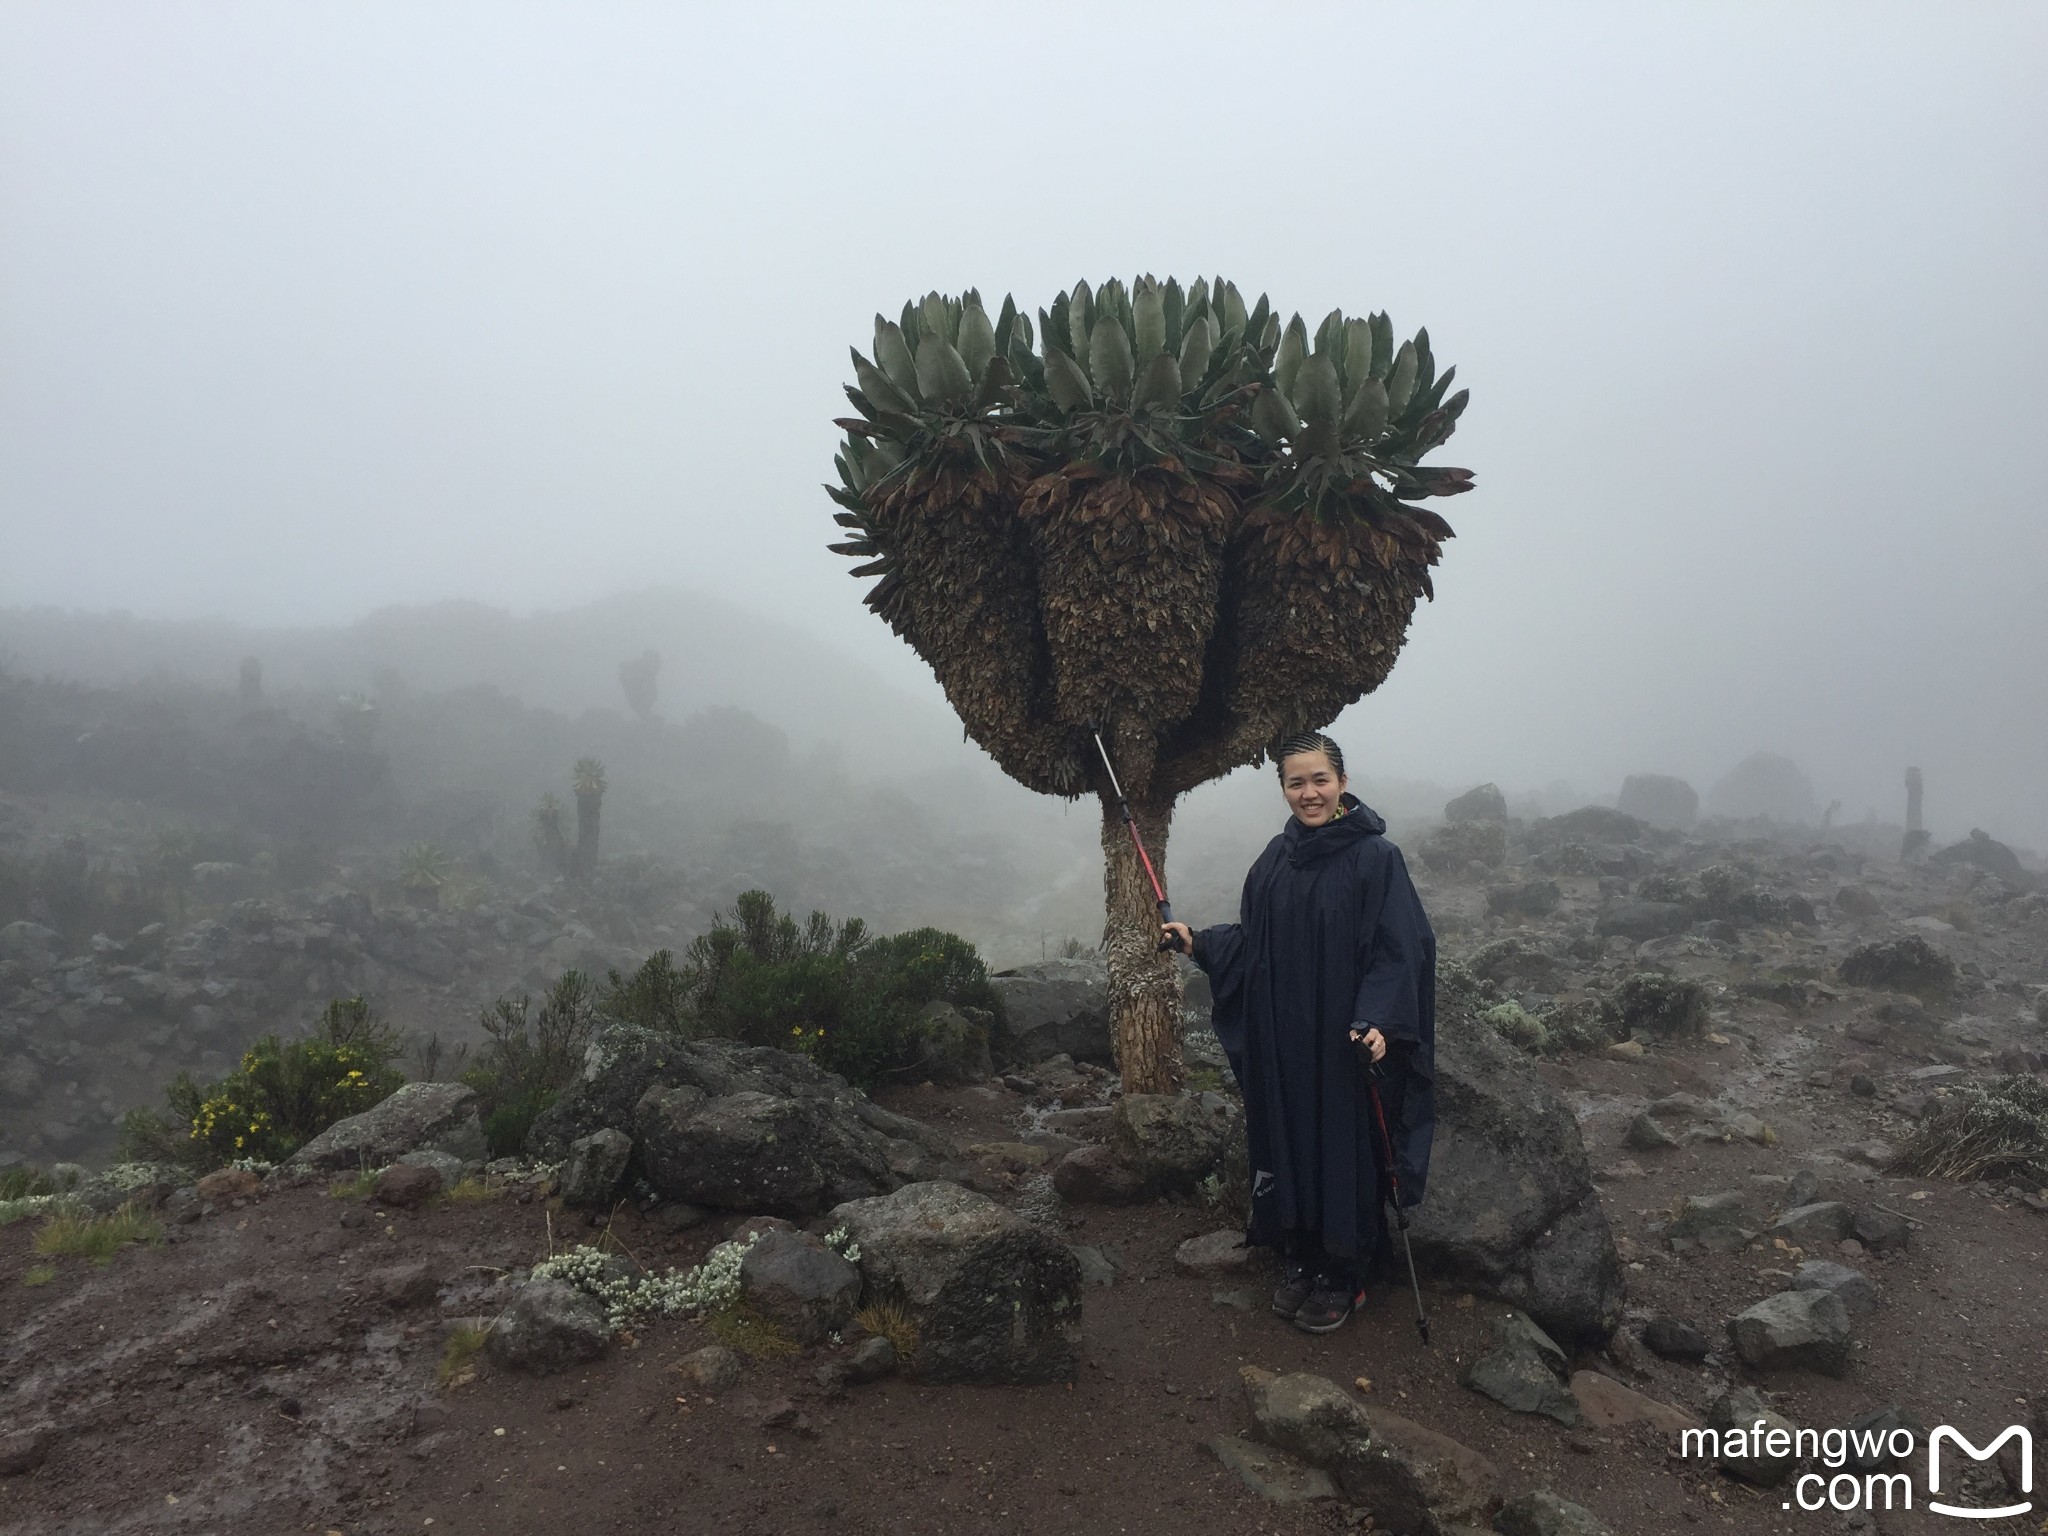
(1144, 990)
(587, 809)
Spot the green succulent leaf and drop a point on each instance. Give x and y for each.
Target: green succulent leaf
(892, 352)
(1330, 337)
(1356, 367)
(1316, 395)
(1065, 381)
(1402, 383)
(876, 386)
(1293, 350)
(1382, 345)
(1233, 308)
(1175, 304)
(1366, 417)
(977, 338)
(1006, 326)
(937, 319)
(1194, 352)
(1109, 359)
(942, 375)
(1160, 386)
(1273, 418)
(1148, 320)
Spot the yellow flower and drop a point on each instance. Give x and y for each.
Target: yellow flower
(238, 1141)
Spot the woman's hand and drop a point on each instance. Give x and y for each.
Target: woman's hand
(1372, 1040)
(1178, 936)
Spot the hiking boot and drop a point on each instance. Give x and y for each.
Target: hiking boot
(1296, 1282)
(1328, 1305)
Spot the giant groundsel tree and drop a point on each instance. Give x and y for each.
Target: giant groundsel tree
(1158, 513)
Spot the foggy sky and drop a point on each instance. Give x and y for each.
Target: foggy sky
(308, 309)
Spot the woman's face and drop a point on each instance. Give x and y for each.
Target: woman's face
(1311, 786)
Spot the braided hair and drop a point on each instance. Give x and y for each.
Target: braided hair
(1307, 741)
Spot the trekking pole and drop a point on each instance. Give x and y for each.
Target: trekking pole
(1166, 942)
(1379, 1114)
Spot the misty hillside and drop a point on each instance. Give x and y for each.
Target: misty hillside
(713, 653)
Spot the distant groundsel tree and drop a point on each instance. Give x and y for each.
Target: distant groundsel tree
(1168, 516)
(589, 783)
(638, 678)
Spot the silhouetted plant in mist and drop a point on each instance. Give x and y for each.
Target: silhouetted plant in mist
(638, 678)
(549, 835)
(423, 873)
(589, 784)
(529, 1056)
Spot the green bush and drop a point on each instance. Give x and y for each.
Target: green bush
(834, 992)
(528, 1057)
(1661, 1005)
(282, 1095)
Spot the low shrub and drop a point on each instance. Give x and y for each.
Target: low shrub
(529, 1056)
(835, 992)
(2000, 1131)
(1660, 1005)
(282, 1095)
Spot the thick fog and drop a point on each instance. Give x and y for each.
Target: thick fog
(310, 311)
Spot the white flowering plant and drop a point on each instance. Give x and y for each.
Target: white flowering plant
(711, 1286)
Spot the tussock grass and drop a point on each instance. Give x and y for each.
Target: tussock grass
(77, 1235)
(473, 1191)
(891, 1321)
(39, 1274)
(459, 1354)
(743, 1328)
(357, 1187)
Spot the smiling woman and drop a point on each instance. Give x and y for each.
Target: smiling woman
(1330, 969)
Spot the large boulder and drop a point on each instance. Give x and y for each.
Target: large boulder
(1486, 803)
(1794, 1329)
(1405, 1477)
(992, 1297)
(1510, 1208)
(1171, 1142)
(1055, 1007)
(1524, 1372)
(1768, 786)
(596, 1164)
(1659, 799)
(1987, 852)
(798, 1283)
(30, 946)
(419, 1117)
(735, 1127)
(550, 1326)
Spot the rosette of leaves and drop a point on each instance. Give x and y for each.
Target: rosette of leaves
(1141, 411)
(1335, 549)
(930, 475)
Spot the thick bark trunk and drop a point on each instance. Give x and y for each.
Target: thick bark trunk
(1144, 991)
(588, 808)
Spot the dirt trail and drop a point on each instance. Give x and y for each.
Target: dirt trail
(247, 1377)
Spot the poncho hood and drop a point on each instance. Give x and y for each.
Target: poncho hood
(1311, 845)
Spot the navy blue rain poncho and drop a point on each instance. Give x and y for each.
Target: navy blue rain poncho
(1331, 934)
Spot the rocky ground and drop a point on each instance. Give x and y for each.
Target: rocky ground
(275, 1362)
